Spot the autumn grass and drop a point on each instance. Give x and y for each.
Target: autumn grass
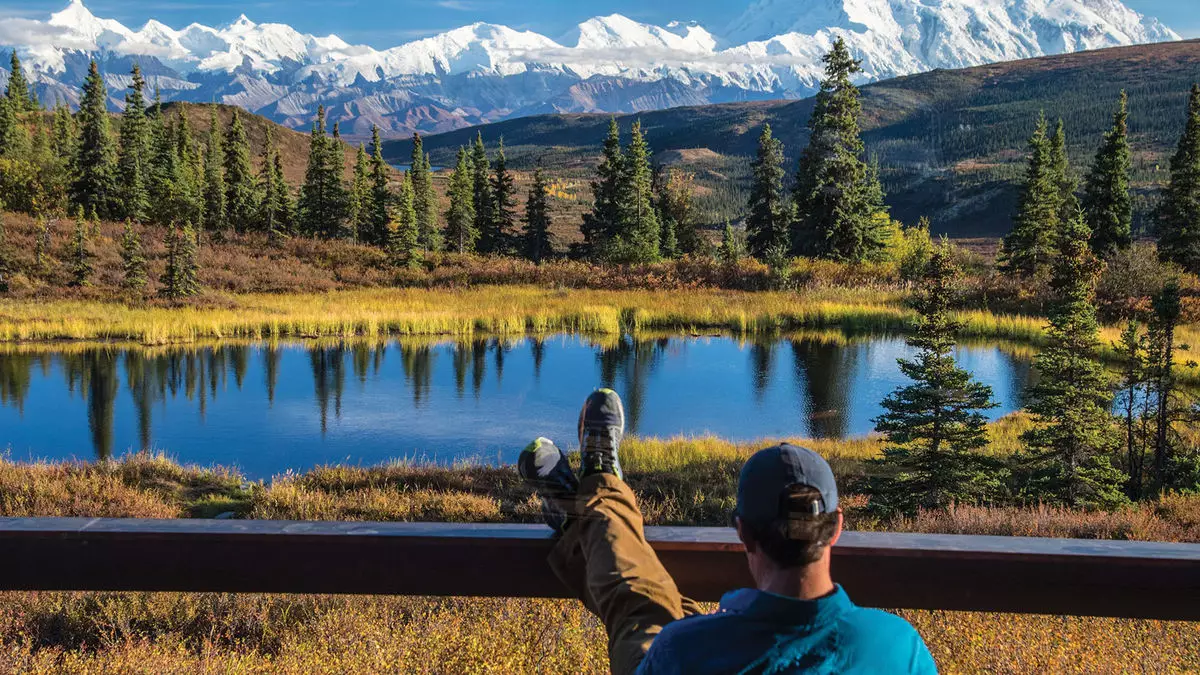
(678, 481)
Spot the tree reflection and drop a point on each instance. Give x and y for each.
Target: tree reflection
(631, 361)
(824, 369)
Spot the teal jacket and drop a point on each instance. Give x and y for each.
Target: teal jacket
(761, 633)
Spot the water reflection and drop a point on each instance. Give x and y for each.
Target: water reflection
(272, 407)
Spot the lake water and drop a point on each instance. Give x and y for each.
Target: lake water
(270, 408)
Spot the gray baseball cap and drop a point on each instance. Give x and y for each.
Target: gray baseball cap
(770, 473)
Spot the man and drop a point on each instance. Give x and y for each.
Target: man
(796, 620)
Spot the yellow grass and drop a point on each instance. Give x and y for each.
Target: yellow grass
(677, 480)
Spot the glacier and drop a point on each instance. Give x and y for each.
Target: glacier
(485, 72)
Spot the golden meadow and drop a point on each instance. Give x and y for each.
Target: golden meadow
(678, 481)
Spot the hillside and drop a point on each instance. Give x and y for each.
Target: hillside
(292, 145)
(949, 142)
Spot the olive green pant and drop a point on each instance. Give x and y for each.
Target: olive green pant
(604, 559)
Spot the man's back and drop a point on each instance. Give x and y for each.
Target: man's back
(758, 632)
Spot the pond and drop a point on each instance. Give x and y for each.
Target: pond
(269, 408)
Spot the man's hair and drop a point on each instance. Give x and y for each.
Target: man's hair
(799, 536)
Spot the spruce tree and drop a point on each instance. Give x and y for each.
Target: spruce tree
(600, 225)
(214, 174)
(424, 202)
(638, 230)
(767, 226)
(358, 202)
(1171, 404)
(482, 195)
(19, 92)
(164, 170)
(504, 206)
(133, 151)
(133, 260)
(1030, 245)
(1107, 203)
(322, 196)
(95, 184)
(1064, 176)
(190, 187)
(285, 218)
(380, 205)
(460, 219)
(1073, 442)
(272, 209)
(538, 245)
(675, 205)
(181, 277)
(934, 426)
(81, 254)
(240, 197)
(337, 185)
(403, 234)
(731, 249)
(11, 128)
(7, 266)
(65, 132)
(838, 197)
(1178, 216)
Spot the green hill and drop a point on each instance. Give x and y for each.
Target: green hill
(950, 143)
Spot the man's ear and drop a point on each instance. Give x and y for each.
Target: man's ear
(747, 540)
(837, 533)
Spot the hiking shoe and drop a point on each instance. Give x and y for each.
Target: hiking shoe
(546, 471)
(601, 428)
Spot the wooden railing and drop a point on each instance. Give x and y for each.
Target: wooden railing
(917, 571)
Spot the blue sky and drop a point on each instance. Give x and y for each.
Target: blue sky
(387, 23)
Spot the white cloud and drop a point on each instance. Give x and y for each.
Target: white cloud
(27, 32)
(652, 57)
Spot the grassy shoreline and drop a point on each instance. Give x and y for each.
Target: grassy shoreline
(679, 481)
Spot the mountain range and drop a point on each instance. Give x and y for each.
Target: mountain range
(485, 73)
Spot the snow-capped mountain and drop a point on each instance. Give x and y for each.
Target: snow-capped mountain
(485, 72)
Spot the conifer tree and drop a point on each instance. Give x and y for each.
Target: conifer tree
(133, 151)
(600, 225)
(379, 208)
(767, 226)
(1073, 442)
(482, 194)
(190, 187)
(731, 249)
(240, 198)
(502, 231)
(359, 197)
(838, 198)
(403, 234)
(285, 217)
(164, 169)
(181, 277)
(1064, 176)
(133, 260)
(935, 425)
(1178, 216)
(7, 266)
(81, 254)
(424, 203)
(65, 133)
(1135, 398)
(460, 219)
(675, 212)
(10, 130)
(337, 186)
(1030, 245)
(538, 245)
(214, 174)
(20, 93)
(95, 184)
(269, 207)
(321, 197)
(1171, 404)
(1107, 203)
(638, 230)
